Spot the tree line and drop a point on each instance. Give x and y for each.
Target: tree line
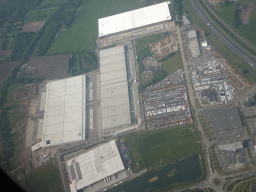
(82, 62)
(158, 76)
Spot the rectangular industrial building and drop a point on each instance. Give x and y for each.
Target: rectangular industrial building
(94, 165)
(134, 19)
(232, 146)
(65, 111)
(115, 105)
(193, 44)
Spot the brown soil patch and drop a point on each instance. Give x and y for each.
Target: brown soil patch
(6, 70)
(33, 26)
(50, 67)
(246, 13)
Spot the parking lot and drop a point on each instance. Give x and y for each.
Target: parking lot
(214, 79)
(166, 103)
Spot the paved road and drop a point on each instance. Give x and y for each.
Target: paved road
(241, 38)
(226, 40)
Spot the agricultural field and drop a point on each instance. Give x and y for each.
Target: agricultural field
(50, 67)
(6, 70)
(161, 147)
(84, 31)
(51, 3)
(173, 63)
(247, 30)
(46, 178)
(40, 15)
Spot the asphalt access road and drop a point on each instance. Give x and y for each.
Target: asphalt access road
(226, 40)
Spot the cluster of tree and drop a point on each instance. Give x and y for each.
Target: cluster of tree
(46, 40)
(60, 17)
(236, 18)
(82, 62)
(158, 76)
(15, 10)
(178, 7)
(6, 140)
(21, 42)
(224, 2)
(4, 44)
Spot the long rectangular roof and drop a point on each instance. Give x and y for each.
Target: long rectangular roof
(64, 116)
(94, 165)
(134, 19)
(115, 104)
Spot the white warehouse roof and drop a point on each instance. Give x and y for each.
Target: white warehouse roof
(94, 165)
(115, 104)
(64, 115)
(134, 19)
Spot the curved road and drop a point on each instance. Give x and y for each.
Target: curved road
(226, 40)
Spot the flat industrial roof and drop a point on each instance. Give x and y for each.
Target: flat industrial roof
(115, 104)
(134, 19)
(94, 165)
(64, 115)
(232, 146)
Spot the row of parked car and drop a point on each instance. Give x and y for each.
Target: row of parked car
(125, 154)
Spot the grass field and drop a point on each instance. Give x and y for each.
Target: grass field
(161, 147)
(147, 40)
(227, 13)
(143, 52)
(248, 31)
(51, 3)
(84, 31)
(40, 14)
(173, 63)
(15, 116)
(47, 178)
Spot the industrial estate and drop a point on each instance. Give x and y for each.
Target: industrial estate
(155, 93)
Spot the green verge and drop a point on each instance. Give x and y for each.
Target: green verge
(221, 48)
(46, 178)
(173, 63)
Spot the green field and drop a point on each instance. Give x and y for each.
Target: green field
(51, 3)
(227, 13)
(173, 63)
(40, 14)
(84, 31)
(15, 116)
(46, 178)
(161, 147)
(147, 40)
(141, 54)
(248, 31)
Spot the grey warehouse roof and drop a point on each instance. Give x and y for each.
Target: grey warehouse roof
(115, 104)
(185, 20)
(231, 147)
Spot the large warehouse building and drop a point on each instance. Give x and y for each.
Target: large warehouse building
(94, 165)
(65, 111)
(115, 105)
(134, 19)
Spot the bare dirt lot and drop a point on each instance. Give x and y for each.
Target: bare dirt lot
(6, 70)
(32, 27)
(50, 67)
(246, 13)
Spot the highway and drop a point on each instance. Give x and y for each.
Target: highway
(226, 40)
